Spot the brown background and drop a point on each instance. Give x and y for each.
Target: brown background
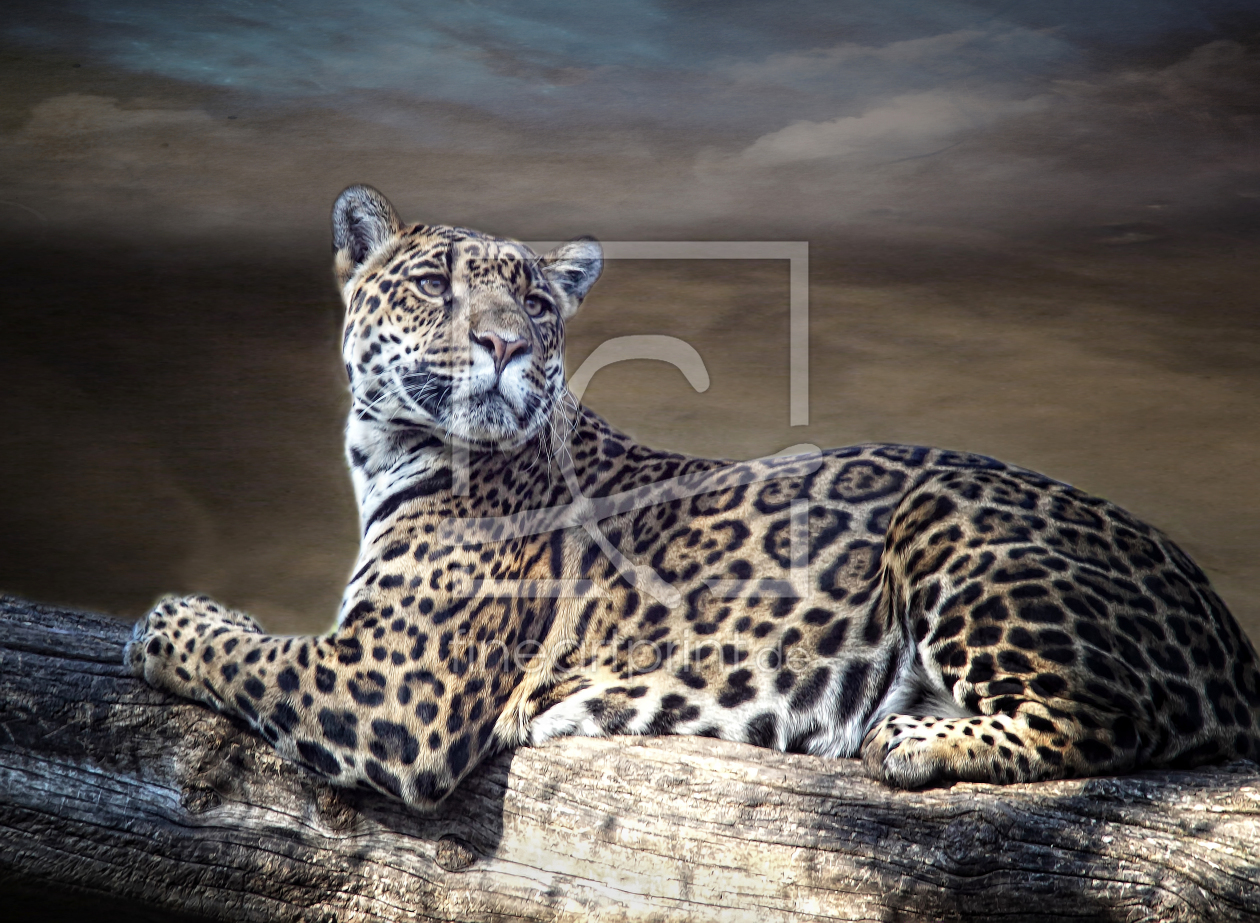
(1063, 276)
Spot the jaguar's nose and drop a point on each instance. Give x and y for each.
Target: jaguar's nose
(501, 349)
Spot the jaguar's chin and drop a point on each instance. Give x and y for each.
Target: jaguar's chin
(489, 420)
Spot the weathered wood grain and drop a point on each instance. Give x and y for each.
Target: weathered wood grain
(112, 788)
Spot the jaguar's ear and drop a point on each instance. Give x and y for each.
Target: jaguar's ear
(362, 220)
(572, 269)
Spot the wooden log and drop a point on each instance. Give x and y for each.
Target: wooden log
(120, 791)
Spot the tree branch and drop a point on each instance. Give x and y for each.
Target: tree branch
(118, 790)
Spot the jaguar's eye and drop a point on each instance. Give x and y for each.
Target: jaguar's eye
(433, 286)
(536, 304)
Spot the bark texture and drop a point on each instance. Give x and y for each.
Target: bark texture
(115, 789)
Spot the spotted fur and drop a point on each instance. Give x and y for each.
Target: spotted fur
(527, 571)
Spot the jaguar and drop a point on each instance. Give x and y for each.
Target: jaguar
(527, 571)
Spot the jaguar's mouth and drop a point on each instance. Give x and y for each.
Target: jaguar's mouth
(484, 417)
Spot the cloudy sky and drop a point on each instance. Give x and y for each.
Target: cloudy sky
(1034, 228)
(648, 117)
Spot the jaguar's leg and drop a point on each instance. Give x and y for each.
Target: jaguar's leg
(358, 707)
(1015, 739)
(989, 609)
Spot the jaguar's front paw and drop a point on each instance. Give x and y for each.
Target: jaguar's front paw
(165, 645)
(133, 651)
(150, 637)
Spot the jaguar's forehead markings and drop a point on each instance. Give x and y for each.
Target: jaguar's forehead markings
(484, 258)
